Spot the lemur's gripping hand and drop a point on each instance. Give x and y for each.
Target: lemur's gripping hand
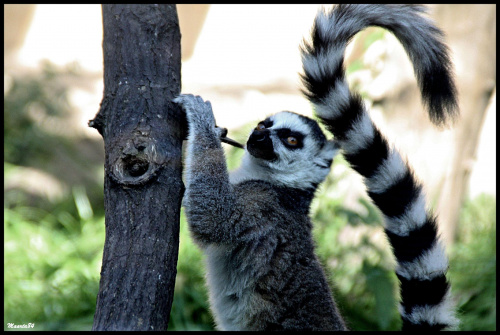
(199, 115)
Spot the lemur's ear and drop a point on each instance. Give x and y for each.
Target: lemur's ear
(327, 153)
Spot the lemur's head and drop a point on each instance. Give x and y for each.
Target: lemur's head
(288, 149)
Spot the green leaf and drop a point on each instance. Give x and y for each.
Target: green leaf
(379, 283)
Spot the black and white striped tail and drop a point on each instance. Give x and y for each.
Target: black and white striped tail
(411, 228)
(323, 57)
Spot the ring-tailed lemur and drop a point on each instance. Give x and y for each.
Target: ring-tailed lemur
(254, 224)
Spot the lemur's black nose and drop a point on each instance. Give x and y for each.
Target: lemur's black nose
(260, 145)
(259, 135)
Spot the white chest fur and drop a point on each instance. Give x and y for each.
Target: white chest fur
(231, 290)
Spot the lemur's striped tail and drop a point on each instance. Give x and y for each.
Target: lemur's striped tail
(323, 58)
(410, 227)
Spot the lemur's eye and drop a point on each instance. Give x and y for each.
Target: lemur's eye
(292, 140)
(260, 126)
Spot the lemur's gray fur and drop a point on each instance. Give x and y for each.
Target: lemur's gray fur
(254, 225)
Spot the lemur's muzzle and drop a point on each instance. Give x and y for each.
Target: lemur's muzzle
(260, 145)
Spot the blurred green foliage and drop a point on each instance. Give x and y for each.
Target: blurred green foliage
(473, 265)
(53, 248)
(190, 307)
(52, 245)
(52, 265)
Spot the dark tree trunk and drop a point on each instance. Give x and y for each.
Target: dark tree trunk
(143, 132)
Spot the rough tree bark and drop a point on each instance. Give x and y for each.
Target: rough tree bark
(142, 131)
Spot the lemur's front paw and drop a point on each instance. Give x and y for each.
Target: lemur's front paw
(198, 112)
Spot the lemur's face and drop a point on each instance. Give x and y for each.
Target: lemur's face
(292, 146)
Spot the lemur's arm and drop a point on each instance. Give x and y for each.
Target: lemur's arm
(212, 206)
(209, 197)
